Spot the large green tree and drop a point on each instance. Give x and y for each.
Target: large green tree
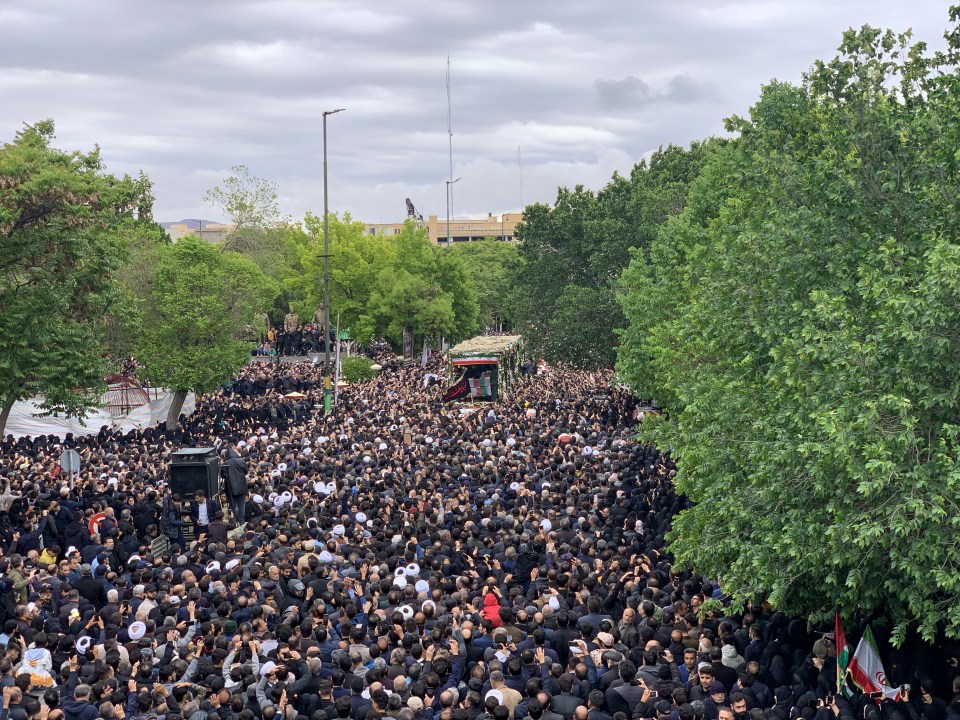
(426, 289)
(491, 264)
(143, 246)
(574, 252)
(194, 307)
(381, 284)
(800, 321)
(59, 248)
(356, 260)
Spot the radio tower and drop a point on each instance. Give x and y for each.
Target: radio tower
(520, 166)
(450, 181)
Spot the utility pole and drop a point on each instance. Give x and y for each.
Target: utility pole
(326, 267)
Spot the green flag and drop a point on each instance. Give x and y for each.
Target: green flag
(843, 657)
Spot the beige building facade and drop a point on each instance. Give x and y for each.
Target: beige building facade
(212, 232)
(502, 227)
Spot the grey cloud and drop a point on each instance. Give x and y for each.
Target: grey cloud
(631, 92)
(683, 88)
(185, 89)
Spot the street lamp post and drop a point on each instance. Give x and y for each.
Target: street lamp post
(449, 190)
(326, 267)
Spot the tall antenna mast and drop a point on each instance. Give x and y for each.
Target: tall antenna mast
(520, 166)
(450, 181)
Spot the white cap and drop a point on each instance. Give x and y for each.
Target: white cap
(338, 529)
(406, 611)
(361, 517)
(137, 630)
(400, 581)
(546, 525)
(422, 586)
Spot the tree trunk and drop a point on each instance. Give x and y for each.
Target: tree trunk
(4, 414)
(176, 405)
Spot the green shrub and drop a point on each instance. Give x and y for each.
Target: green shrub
(356, 369)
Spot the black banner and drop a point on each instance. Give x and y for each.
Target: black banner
(457, 391)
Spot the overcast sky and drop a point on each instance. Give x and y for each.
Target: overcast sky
(185, 89)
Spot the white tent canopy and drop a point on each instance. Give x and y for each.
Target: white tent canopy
(25, 418)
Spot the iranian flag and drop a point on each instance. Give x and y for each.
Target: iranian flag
(843, 656)
(866, 670)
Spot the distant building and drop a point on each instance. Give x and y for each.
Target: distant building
(212, 232)
(501, 227)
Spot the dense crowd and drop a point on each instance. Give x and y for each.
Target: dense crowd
(400, 559)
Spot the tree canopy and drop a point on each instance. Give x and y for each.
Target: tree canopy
(799, 320)
(355, 263)
(194, 307)
(381, 284)
(60, 216)
(491, 265)
(426, 289)
(572, 254)
(250, 203)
